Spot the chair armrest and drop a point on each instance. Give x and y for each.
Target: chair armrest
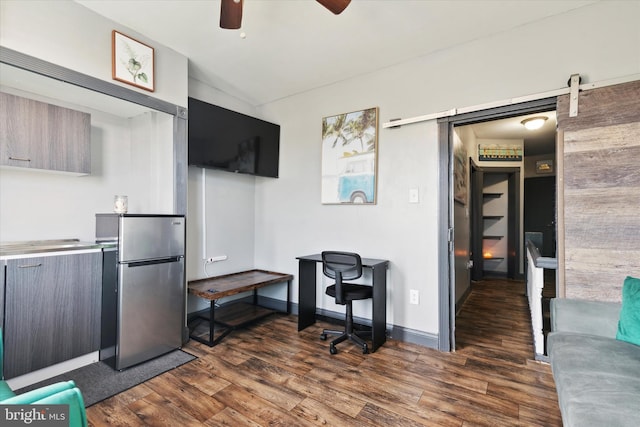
(73, 398)
(39, 393)
(585, 317)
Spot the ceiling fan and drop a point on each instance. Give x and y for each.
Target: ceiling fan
(231, 11)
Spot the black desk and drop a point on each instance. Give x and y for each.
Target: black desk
(307, 295)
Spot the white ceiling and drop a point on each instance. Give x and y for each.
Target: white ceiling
(293, 46)
(536, 142)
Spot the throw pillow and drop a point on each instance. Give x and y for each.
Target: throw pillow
(629, 324)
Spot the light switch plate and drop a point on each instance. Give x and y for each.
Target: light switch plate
(414, 296)
(414, 195)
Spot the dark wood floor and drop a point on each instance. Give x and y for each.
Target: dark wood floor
(271, 375)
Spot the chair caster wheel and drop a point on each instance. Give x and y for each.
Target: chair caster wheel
(333, 349)
(323, 337)
(365, 349)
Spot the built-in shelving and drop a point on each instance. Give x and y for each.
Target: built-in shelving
(492, 195)
(493, 216)
(494, 204)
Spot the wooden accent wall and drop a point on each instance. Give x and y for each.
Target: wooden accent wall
(601, 161)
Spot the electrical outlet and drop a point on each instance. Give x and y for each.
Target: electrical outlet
(414, 296)
(213, 259)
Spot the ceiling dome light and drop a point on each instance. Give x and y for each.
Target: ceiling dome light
(534, 123)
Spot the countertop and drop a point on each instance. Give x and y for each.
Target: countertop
(43, 246)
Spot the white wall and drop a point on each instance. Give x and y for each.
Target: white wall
(68, 34)
(131, 155)
(228, 229)
(290, 220)
(229, 210)
(128, 156)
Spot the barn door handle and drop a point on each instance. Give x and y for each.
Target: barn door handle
(20, 159)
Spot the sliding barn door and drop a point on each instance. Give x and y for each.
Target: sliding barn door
(600, 192)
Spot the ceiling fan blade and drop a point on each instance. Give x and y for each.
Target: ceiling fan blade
(231, 14)
(335, 6)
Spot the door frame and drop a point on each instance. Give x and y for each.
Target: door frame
(476, 184)
(446, 265)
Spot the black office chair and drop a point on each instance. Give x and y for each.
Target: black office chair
(345, 266)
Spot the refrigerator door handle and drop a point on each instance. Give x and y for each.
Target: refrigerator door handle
(154, 261)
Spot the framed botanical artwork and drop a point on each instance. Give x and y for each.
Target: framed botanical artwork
(132, 62)
(349, 157)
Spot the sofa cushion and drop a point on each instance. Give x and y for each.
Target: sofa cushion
(629, 324)
(585, 317)
(597, 378)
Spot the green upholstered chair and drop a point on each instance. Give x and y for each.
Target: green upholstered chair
(62, 393)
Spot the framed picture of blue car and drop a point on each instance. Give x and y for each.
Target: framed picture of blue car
(349, 157)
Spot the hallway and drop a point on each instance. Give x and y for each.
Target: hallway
(495, 320)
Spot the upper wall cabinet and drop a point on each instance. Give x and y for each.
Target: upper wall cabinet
(37, 135)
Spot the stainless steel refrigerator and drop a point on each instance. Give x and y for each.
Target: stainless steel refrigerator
(143, 295)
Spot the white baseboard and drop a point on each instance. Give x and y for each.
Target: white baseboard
(52, 371)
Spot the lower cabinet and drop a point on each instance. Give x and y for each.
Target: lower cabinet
(52, 310)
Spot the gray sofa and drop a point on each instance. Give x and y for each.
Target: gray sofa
(597, 376)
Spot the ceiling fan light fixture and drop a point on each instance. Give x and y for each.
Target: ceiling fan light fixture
(231, 11)
(533, 123)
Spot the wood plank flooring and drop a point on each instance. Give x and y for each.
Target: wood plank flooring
(271, 375)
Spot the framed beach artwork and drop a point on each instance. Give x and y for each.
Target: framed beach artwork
(132, 62)
(349, 157)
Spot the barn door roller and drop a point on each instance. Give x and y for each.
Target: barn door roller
(574, 84)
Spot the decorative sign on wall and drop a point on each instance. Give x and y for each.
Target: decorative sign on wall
(132, 62)
(500, 152)
(544, 166)
(349, 157)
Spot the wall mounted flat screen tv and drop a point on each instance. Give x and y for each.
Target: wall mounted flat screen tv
(230, 141)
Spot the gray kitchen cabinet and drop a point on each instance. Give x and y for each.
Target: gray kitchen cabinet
(38, 135)
(52, 310)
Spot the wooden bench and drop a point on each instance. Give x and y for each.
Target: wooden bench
(233, 315)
